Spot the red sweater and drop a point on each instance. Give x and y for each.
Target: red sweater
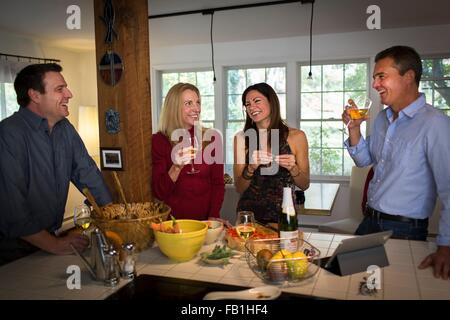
(196, 196)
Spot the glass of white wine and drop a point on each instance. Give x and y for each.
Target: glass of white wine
(245, 224)
(195, 147)
(82, 217)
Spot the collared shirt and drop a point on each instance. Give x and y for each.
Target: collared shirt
(36, 167)
(411, 159)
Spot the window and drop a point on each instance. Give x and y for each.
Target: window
(8, 71)
(203, 80)
(238, 79)
(321, 103)
(435, 82)
(8, 102)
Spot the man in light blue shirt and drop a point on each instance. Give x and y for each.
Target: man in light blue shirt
(409, 149)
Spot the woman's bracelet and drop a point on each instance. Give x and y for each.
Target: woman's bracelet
(298, 173)
(246, 174)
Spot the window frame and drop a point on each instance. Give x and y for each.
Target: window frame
(293, 93)
(225, 94)
(159, 94)
(369, 93)
(434, 57)
(3, 100)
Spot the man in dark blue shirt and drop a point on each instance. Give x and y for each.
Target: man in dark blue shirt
(40, 154)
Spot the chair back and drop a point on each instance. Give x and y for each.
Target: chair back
(433, 222)
(357, 181)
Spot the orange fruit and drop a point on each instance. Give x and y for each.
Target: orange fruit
(156, 226)
(114, 238)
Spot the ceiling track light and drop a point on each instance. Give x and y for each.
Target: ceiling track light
(211, 11)
(242, 6)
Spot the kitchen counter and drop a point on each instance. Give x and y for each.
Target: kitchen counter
(44, 276)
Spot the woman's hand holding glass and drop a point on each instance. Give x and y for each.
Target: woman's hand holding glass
(259, 158)
(286, 161)
(184, 156)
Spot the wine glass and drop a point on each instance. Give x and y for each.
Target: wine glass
(357, 113)
(82, 217)
(245, 224)
(194, 143)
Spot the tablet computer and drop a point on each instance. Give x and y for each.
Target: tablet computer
(359, 243)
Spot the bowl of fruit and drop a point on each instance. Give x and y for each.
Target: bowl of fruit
(180, 240)
(131, 223)
(271, 261)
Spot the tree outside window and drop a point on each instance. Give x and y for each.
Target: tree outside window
(435, 82)
(8, 100)
(203, 80)
(237, 81)
(322, 100)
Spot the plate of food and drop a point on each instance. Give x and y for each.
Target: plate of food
(234, 241)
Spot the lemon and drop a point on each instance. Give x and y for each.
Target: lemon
(282, 254)
(298, 268)
(278, 270)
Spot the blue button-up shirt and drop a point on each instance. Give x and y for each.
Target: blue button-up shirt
(36, 167)
(411, 159)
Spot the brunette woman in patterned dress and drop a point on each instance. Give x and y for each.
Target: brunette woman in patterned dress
(260, 173)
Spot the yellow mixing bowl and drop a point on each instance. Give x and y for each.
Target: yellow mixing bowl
(185, 245)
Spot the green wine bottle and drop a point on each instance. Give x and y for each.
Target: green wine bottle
(288, 224)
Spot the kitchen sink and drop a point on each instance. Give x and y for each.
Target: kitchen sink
(151, 287)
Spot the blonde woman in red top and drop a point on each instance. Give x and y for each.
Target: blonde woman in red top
(193, 191)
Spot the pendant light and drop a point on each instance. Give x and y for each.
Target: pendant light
(310, 42)
(211, 12)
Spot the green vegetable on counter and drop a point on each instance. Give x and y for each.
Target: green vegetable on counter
(220, 255)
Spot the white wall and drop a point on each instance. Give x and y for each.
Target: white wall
(344, 46)
(79, 70)
(325, 47)
(78, 67)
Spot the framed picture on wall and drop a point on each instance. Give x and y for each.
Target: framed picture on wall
(111, 159)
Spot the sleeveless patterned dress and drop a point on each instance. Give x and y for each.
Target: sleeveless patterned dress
(264, 195)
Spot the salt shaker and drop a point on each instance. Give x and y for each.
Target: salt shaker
(128, 263)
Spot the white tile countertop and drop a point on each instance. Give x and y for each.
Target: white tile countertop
(44, 276)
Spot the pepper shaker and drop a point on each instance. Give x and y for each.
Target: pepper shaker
(111, 268)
